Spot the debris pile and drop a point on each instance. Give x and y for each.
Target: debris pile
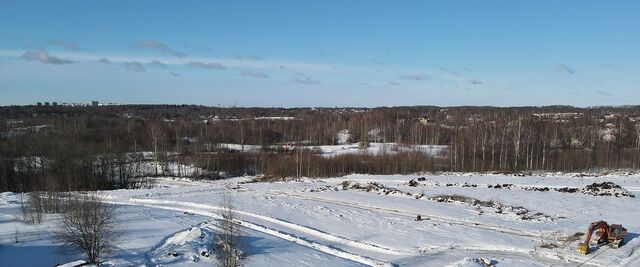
(606, 189)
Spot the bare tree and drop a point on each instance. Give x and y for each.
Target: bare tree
(88, 225)
(179, 135)
(516, 144)
(230, 243)
(637, 129)
(33, 208)
(156, 132)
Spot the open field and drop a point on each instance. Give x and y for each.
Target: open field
(360, 220)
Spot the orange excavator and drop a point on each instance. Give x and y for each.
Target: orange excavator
(605, 234)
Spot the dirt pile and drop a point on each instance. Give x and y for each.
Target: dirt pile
(606, 189)
(519, 211)
(372, 187)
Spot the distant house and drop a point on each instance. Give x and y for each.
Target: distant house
(424, 120)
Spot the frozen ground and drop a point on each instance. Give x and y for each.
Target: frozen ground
(467, 220)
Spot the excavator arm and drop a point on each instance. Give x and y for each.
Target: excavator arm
(583, 248)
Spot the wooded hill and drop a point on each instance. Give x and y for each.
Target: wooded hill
(72, 148)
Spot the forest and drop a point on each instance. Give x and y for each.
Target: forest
(61, 148)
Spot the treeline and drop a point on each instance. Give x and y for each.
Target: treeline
(72, 148)
(310, 164)
(73, 173)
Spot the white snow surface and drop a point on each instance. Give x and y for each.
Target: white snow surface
(320, 222)
(374, 149)
(377, 149)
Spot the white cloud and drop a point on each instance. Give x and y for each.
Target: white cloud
(64, 44)
(158, 46)
(565, 68)
(156, 63)
(604, 93)
(414, 76)
(44, 57)
(203, 65)
(255, 74)
(135, 66)
(474, 81)
(303, 79)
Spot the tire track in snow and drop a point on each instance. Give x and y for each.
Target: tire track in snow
(336, 238)
(631, 253)
(304, 229)
(474, 224)
(196, 208)
(272, 232)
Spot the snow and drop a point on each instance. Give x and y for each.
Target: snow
(377, 149)
(239, 147)
(471, 262)
(74, 263)
(327, 222)
(343, 136)
(189, 245)
(275, 118)
(347, 149)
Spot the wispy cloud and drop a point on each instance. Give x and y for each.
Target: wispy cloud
(255, 74)
(604, 93)
(44, 57)
(175, 74)
(514, 89)
(104, 60)
(64, 44)
(250, 57)
(156, 63)
(565, 68)
(378, 62)
(304, 79)
(329, 54)
(158, 46)
(414, 76)
(202, 65)
(394, 83)
(450, 72)
(265, 64)
(134, 66)
(612, 66)
(474, 81)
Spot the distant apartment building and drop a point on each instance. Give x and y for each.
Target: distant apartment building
(95, 103)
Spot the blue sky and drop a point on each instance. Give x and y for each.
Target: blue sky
(321, 53)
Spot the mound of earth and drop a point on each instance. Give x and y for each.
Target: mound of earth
(606, 189)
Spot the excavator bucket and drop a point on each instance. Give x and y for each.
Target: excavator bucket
(583, 248)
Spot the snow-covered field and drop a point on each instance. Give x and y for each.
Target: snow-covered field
(467, 220)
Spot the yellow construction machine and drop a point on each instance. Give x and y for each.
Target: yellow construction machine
(605, 233)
